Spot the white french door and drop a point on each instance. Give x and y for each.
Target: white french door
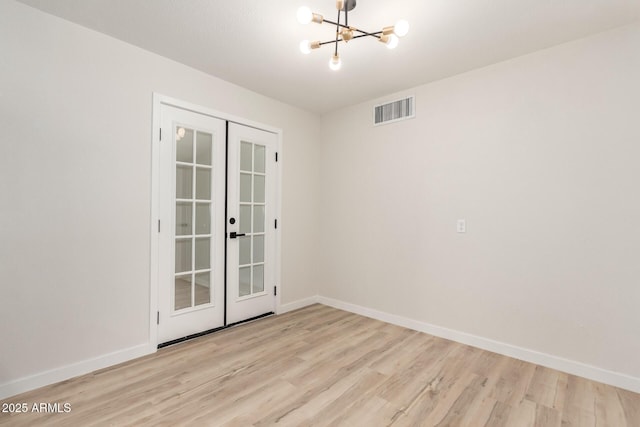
(209, 180)
(251, 206)
(192, 188)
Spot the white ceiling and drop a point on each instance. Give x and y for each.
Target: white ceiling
(254, 43)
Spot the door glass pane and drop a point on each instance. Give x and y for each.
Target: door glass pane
(194, 225)
(245, 156)
(252, 213)
(258, 278)
(258, 162)
(183, 218)
(183, 255)
(182, 292)
(184, 182)
(203, 148)
(245, 187)
(184, 145)
(258, 248)
(245, 219)
(203, 218)
(203, 184)
(245, 250)
(258, 219)
(202, 287)
(244, 287)
(203, 253)
(258, 195)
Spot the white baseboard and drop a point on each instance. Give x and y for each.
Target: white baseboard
(42, 379)
(616, 379)
(52, 376)
(284, 308)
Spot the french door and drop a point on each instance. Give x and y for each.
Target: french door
(251, 209)
(214, 208)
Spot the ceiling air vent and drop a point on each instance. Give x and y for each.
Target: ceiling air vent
(394, 111)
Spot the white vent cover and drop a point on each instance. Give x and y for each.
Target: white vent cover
(394, 111)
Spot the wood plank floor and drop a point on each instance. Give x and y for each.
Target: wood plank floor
(319, 366)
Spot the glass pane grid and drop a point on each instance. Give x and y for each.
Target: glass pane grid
(193, 218)
(252, 206)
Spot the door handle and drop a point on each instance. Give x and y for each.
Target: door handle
(233, 235)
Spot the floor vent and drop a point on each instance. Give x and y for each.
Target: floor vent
(394, 111)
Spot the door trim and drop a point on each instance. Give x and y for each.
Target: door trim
(158, 101)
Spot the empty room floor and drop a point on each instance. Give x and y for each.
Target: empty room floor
(322, 366)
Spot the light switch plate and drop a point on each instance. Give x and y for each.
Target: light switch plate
(461, 226)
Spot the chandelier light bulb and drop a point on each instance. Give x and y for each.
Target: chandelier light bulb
(393, 41)
(335, 63)
(401, 28)
(304, 15)
(305, 47)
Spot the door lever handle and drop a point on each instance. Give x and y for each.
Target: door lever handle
(233, 235)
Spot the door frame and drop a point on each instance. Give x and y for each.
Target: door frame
(154, 276)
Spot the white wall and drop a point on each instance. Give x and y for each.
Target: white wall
(75, 179)
(540, 155)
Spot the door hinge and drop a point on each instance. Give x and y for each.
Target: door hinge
(158, 319)
(158, 226)
(276, 223)
(275, 290)
(276, 156)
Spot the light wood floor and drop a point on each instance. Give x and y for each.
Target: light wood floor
(321, 366)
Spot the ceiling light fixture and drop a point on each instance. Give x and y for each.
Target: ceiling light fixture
(345, 32)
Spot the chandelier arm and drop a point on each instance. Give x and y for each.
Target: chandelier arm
(335, 23)
(376, 35)
(364, 33)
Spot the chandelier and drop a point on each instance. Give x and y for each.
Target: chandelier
(345, 32)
